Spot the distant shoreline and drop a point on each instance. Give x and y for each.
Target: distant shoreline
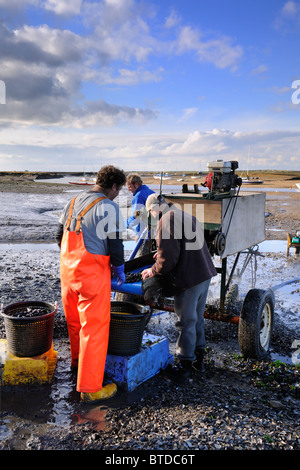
(281, 179)
(281, 218)
(25, 182)
(144, 173)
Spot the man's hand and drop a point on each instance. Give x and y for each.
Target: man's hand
(147, 273)
(118, 272)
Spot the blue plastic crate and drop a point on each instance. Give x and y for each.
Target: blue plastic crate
(130, 371)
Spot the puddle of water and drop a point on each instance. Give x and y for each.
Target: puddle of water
(44, 404)
(28, 246)
(128, 246)
(31, 411)
(95, 415)
(27, 412)
(284, 359)
(267, 245)
(273, 246)
(270, 190)
(169, 187)
(5, 431)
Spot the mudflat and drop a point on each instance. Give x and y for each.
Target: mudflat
(282, 207)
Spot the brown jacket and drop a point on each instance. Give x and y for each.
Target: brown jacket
(181, 249)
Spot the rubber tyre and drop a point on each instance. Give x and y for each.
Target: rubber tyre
(256, 323)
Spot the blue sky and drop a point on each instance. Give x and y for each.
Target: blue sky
(149, 85)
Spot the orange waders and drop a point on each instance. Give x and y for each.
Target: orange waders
(86, 292)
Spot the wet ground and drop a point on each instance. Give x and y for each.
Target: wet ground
(29, 412)
(237, 405)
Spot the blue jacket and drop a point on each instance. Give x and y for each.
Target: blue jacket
(139, 200)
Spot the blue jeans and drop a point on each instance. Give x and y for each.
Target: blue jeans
(189, 307)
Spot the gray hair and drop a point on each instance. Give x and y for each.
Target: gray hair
(155, 200)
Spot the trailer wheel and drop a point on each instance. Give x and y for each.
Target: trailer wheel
(256, 323)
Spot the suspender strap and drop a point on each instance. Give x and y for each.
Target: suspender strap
(82, 213)
(70, 213)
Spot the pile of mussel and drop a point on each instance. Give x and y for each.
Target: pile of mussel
(28, 312)
(133, 277)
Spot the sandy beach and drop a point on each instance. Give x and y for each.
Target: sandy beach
(234, 406)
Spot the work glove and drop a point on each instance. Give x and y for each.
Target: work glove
(118, 273)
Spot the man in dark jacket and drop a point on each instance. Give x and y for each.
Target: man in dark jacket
(182, 254)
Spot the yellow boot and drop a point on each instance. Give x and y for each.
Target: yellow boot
(107, 391)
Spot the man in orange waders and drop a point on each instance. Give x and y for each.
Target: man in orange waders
(91, 250)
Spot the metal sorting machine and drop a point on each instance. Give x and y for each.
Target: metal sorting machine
(233, 223)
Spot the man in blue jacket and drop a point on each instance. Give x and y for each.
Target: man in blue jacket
(140, 193)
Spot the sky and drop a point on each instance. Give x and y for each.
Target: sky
(152, 85)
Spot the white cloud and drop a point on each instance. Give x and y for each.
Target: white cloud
(46, 67)
(218, 51)
(64, 46)
(290, 9)
(128, 77)
(262, 68)
(227, 145)
(281, 90)
(188, 40)
(63, 7)
(121, 32)
(172, 20)
(187, 114)
(100, 113)
(167, 152)
(15, 5)
(288, 19)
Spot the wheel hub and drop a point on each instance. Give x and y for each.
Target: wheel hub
(265, 326)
